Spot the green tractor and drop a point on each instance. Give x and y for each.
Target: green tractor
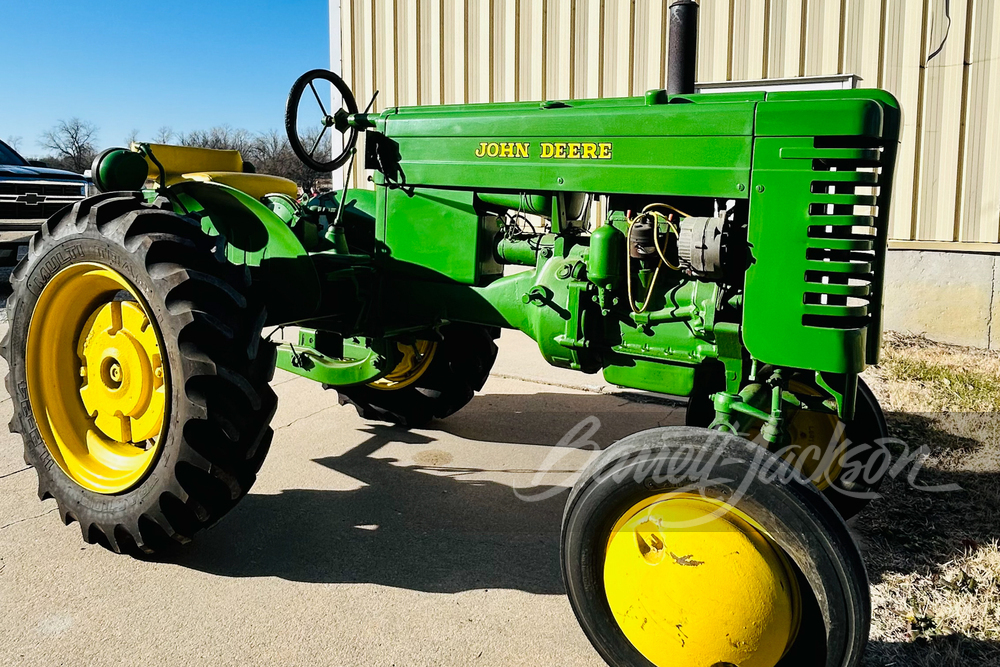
(728, 248)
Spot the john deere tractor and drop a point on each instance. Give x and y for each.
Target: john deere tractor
(727, 248)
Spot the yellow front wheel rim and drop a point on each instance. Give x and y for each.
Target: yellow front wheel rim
(97, 380)
(691, 581)
(816, 439)
(416, 360)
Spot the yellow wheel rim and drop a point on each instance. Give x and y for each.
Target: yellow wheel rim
(416, 360)
(815, 447)
(694, 582)
(97, 382)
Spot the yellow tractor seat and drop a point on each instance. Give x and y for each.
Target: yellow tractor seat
(255, 185)
(187, 163)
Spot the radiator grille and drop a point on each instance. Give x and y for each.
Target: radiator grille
(819, 201)
(842, 234)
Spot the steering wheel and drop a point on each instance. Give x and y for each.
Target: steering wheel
(338, 121)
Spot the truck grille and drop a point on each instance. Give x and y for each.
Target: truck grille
(36, 200)
(12, 211)
(46, 189)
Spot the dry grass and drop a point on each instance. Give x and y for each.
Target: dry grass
(934, 558)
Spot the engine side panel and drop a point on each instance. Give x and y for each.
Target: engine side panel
(621, 146)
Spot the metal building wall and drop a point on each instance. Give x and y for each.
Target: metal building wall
(948, 183)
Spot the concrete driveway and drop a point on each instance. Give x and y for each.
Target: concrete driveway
(360, 544)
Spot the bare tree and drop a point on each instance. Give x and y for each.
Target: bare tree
(132, 137)
(271, 154)
(14, 142)
(269, 151)
(313, 138)
(220, 137)
(72, 143)
(163, 135)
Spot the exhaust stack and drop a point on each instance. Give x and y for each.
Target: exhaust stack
(683, 48)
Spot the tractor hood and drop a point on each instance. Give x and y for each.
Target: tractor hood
(18, 171)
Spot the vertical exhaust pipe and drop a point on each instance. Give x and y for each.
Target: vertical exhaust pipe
(683, 49)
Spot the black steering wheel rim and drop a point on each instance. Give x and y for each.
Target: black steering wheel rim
(301, 84)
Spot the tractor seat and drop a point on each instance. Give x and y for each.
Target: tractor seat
(186, 163)
(255, 185)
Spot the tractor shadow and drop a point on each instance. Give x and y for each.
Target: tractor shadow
(914, 526)
(945, 651)
(415, 527)
(428, 527)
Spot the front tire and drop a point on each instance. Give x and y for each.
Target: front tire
(143, 439)
(446, 377)
(685, 546)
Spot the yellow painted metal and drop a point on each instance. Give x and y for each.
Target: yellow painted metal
(97, 382)
(187, 163)
(693, 582)
(816, 443)
(180, 160)
(416, 360)
(255, 185)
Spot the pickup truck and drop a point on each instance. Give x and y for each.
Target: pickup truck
(30, 193)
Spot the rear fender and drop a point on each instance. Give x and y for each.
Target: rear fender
(283, 273)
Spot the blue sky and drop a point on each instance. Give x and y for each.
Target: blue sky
(123, 65)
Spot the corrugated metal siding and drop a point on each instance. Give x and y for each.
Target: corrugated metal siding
(948, 182)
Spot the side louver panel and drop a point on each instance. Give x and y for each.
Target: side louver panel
(818, 227)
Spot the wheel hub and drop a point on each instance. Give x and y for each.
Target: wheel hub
(96, 378)
(691, 582)
(122, 373)
(416, 360)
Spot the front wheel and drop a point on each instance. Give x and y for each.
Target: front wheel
(139, 379)
(846, 461)
(685, 546)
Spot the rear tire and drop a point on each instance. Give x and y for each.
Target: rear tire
(460, 367)
(215, 431)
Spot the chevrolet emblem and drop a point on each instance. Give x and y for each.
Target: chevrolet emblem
(30, 198)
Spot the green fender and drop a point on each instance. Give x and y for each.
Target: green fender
(283, 273)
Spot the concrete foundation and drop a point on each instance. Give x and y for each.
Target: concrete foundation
(951, 297)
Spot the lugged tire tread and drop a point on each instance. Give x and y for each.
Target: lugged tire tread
(219, 340)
